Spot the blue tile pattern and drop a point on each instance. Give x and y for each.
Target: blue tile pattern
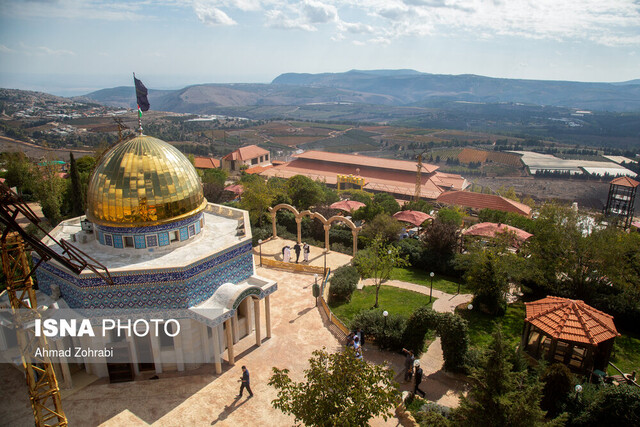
(159, 288)
(149, 229)
(101, 238)
(139, 242)
(192, 230)
(184, 234)
(163, 238)
(108, 240)
(152, 240)
(117, 241)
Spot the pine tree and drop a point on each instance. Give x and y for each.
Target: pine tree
(500, 397)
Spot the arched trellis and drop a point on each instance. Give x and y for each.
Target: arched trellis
(326, 223)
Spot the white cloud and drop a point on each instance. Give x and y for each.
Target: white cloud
(319, 13)
(279, 19)
(5, 49)
(73, 9)
(209, 14)
(355, 27)
(44, 50)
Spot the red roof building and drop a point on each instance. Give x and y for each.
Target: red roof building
(397, 177)
(568, 331)
(206, 163)
(478, 201)
(249, 156)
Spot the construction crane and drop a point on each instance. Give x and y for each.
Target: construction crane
(418, 192)
(44, 392)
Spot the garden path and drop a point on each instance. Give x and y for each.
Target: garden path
(442, 387)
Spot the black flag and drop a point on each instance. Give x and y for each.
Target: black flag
(141, 95)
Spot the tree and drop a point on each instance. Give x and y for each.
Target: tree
(20, 173)
(338, 390)
(499, 396)
(256, 198)
(382, 225)
(214, 176)
(304, 192)
(441, 241)
(451, 215)
(558, 383)
(77, 198)
(378, 261)
(387, 202)
(85, 164)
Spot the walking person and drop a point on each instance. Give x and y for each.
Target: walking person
(287, 254)
(297, 248)
(245, 382)
(418, 375)
(408, 364)
(306, 250)
(360, 336)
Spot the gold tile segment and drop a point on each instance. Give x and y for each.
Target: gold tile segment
(143, 181)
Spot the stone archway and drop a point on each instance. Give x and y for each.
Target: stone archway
(326, 223)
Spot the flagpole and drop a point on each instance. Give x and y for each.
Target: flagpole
(139, 111)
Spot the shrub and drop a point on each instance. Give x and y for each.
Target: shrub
(619, 405)
(339, 247)
(387, 337)
(413, 249)
(558, 383)
(343, 283)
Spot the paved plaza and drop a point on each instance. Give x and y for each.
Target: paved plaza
(200, 397)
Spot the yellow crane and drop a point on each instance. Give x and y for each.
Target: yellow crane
(418, 191)
(44, 392)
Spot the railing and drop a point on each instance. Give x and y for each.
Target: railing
(290, 266)
(324, 292)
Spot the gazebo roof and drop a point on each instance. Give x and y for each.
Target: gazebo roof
(570, 320)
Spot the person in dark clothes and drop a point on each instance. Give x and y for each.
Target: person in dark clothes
(408, 364)
(418, 375)
(298, 249)
(245, 382)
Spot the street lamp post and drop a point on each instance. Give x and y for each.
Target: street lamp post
(260, 244)
(385, 314)
(325, 262)
(431, 288)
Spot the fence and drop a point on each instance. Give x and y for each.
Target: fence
(324, 292)
(290, 266)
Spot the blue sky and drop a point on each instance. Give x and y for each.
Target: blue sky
(72, 47)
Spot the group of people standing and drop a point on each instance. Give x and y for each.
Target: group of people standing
(297, 248)
(412, 369)
(355, 340)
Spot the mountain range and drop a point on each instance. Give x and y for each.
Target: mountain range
(408, 88)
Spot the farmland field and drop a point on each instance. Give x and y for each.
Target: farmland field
(537, 161)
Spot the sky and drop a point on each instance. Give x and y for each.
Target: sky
(72, 47)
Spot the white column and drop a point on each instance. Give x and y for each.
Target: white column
(256, 309)
(157, 354)
(236, 328)
(134, 354)
(64, 365)
(206, 347)
(228, 327)
(217, 361)
(177, 348)
(267, 313)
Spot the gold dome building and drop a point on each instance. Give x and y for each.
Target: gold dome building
(169, 253)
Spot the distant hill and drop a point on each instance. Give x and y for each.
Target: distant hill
(408, 88)
(422, 88)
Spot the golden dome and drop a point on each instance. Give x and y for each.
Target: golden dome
(143, 181)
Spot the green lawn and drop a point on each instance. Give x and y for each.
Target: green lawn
(481, 325)
(626, 354)
(394, 300)
(421, 277)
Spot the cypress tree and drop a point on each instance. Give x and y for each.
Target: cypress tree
(77, 199)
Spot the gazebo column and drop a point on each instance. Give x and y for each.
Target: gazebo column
(552, 349)
(228, 326)
(267, 314)
(327, 227)
(525, 336)
(299, 228)
(217, 361)
(256, 309)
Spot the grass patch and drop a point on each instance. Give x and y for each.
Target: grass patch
(394, 300)
(626, 354)
(421, 277)
(482, 326)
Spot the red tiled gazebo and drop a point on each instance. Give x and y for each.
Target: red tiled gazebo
(568, 331)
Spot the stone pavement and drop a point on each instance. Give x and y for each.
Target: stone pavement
(442, 387)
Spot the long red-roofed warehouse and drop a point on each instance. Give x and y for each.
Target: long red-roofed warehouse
(397, 177)
(570, 332)
(478, 201)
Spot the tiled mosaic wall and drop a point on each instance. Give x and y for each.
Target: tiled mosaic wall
(148, 237)
(161, 288)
